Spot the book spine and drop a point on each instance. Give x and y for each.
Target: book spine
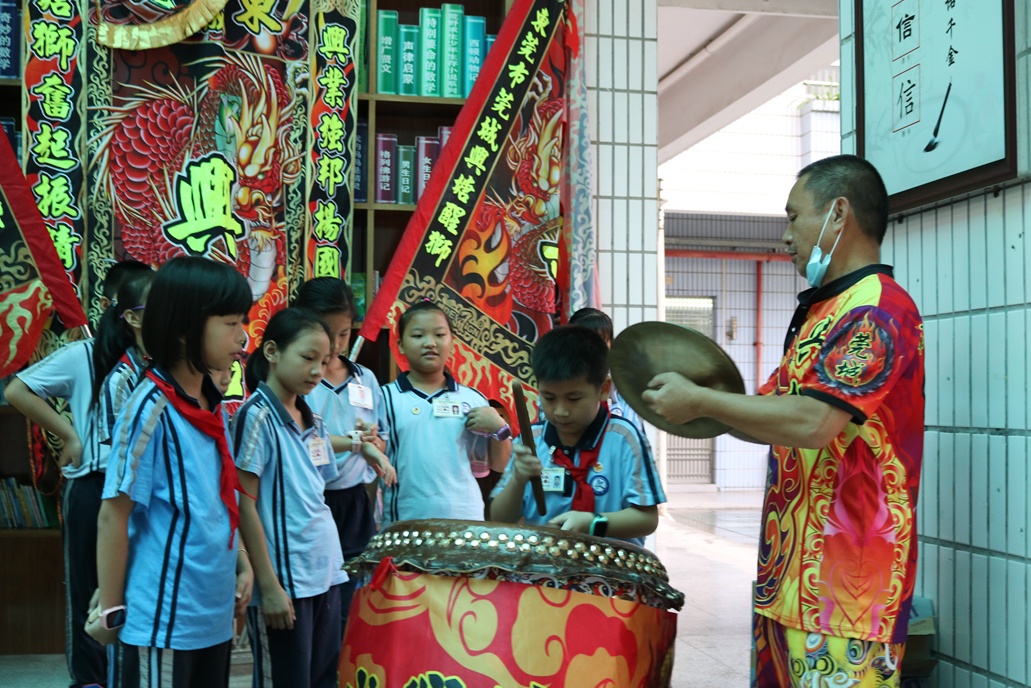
(10, 40)
(443, 135)
(408, 44)
(429, 51)
(452, 47)
(386, 163)
(488, 44)
(406, 174)
(386, 52)
(361, 159)
(427, 148)
(475, 49)
(363, 47)
(358, 287)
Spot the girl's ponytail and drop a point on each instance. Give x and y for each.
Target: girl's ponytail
(114, 335)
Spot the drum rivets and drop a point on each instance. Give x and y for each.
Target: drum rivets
(511, 546)
(548, 540)
(603, 560)
(493, 544)
(418, 542)
(573, 554)
(541, 549)
(459, 542)
(619, 563)
(621, 553)
(595, 548)
(533, 539)
(554, 551)
(610, 552)
(524, 547)
(469, 535)
(405, 533)
(589, 557)
(563, 544)
(475, 544)
(485, 536)
(579, 547)
(518, 537)
(502, 537)
(453, 534)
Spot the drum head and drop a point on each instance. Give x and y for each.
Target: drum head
(644, 350)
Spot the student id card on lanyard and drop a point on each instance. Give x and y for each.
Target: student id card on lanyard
(447, 409)
(318, 451)
(359, 395)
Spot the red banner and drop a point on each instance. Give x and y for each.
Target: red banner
(483, 242)
(416, 630)
(33, 282)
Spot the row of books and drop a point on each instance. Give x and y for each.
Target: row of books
(400, 171)
(21, 506)
(10, 39)
(439, 57)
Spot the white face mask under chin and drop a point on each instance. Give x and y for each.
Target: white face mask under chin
(816, 268)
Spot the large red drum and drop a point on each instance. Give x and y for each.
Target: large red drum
(451, 604)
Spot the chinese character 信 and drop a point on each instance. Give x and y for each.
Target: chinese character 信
(438, 245)
(905, 99)
(904, 27)
(205, 197)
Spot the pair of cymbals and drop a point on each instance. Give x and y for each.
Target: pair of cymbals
(644, 350)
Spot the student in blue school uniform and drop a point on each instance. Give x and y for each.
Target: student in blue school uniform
(600, 322)
(283, 455)
(598, 472)
(169, 569)
(440, 431)
(349, 400)
(68, 374)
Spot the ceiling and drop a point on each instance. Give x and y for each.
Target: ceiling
(720, 59)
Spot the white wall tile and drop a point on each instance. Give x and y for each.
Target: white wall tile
(997, 383)
(978, 253)
(605, 155)
(619, 278)
(946, 600)
(947, 363)
(1016, 638)
(979, 491)
(1013, 245)
(637, 278)
(998, 653)
(605, 16)
(995, 238)
(997, 493)
(946, 484)
(606, 110)
(979, 611)
(979, 371)
(961, 370)
(619, 224)
(635, 19)
(961, 493)
(620, 169)
(621, 123)
(928, 256)
(1016, 370)
(635, 167)
(962, 610)
(944, 259)
(619, 63)
(1016, 496)
(929, 498)
(603, 72)
(961, 259)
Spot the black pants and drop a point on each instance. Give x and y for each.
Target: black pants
(304, 657)
(157, 668)
(356, 524)
(87, 659)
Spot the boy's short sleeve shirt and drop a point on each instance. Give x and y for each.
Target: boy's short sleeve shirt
(340, 412)
(68, 374)
(625, 474)
(843, 563)
(181, 570)
(115, 392)
(268, 443)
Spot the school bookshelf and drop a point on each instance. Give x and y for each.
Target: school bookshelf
(407, 120)
(32, 561)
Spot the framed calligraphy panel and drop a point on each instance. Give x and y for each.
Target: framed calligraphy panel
(935, 95)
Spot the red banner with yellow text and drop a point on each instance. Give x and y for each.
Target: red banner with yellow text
(484, 240)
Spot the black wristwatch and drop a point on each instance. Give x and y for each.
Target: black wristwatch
(599, 526)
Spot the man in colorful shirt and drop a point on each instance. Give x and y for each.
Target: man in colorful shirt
(844, 413)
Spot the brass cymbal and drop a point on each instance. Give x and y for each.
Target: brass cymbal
(644, 350)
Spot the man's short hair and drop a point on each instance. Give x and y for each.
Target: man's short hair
(571, 352)
(594, 319)
(858, 181)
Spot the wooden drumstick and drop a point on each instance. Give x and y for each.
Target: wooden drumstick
(526, 435)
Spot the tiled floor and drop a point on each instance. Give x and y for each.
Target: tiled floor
(708, 544)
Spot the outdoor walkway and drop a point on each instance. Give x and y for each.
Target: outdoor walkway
(707, 541)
